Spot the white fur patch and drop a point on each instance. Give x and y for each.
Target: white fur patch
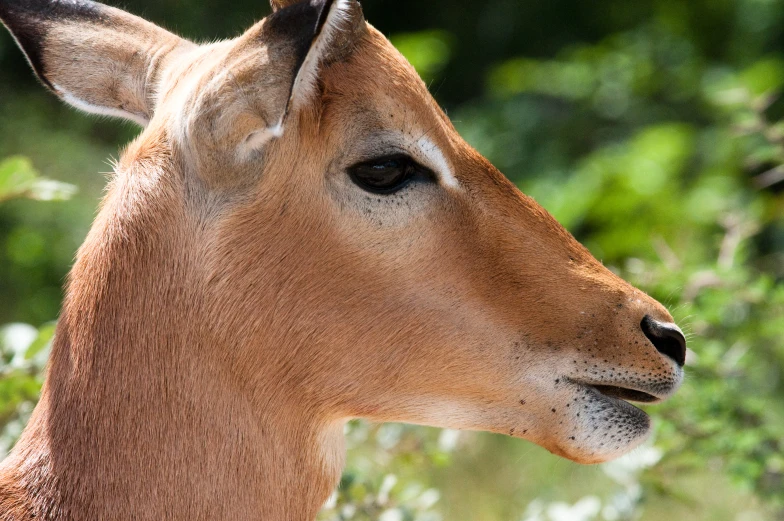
(96, 109)
(259, 138)
(444, 413)
(438, 162)
(305, 83)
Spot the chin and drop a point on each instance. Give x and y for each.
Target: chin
(601, 451)
(596, 428)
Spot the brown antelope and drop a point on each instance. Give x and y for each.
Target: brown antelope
(299, 237)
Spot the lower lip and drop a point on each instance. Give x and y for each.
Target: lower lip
(627, 395)
(612, 410)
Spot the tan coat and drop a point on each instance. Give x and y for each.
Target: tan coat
(246, 288)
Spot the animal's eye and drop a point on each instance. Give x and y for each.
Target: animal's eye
(386, 175)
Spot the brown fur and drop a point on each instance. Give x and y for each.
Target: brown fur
(229, 312)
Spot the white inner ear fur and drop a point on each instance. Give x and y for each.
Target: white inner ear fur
(307, 76)
(258, 138)
(96, 109)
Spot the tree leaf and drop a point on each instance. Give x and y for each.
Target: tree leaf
(18, 178)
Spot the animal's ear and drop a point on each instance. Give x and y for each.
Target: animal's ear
(95, 57)
(278, 4)
(309, 34)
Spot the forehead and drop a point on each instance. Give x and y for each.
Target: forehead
(376, 91)
(375, 104)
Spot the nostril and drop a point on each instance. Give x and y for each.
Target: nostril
(666, 338)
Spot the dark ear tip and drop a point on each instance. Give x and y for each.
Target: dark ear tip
(34, 11)
(29, 21)
(19, 18)
(22, 8)
(282, 4)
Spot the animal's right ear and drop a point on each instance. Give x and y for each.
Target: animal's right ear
(95, 57)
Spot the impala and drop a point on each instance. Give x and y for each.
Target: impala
(299, 237)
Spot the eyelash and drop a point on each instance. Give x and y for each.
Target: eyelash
(388, 174)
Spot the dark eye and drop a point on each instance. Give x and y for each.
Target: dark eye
(386, 175)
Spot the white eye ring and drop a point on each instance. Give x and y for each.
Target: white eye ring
(437, 162)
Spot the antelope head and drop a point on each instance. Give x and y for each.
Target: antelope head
(299, 236)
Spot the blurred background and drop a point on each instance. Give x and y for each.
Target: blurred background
(651, 129)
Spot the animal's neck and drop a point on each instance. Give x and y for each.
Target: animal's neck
(153, 450)
(140, 419)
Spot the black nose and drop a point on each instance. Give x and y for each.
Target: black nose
(666, 338)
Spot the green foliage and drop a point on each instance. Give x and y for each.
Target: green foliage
(382, 482)
(23, 353)
(19, 179)
(428, 51)
(23, 348)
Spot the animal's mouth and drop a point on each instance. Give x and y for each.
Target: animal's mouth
(627, 395)
(634, 394)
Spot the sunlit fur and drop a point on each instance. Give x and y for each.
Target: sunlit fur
(238, 298)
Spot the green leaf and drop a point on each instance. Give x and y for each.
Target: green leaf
(428, 51)
(18, 178)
